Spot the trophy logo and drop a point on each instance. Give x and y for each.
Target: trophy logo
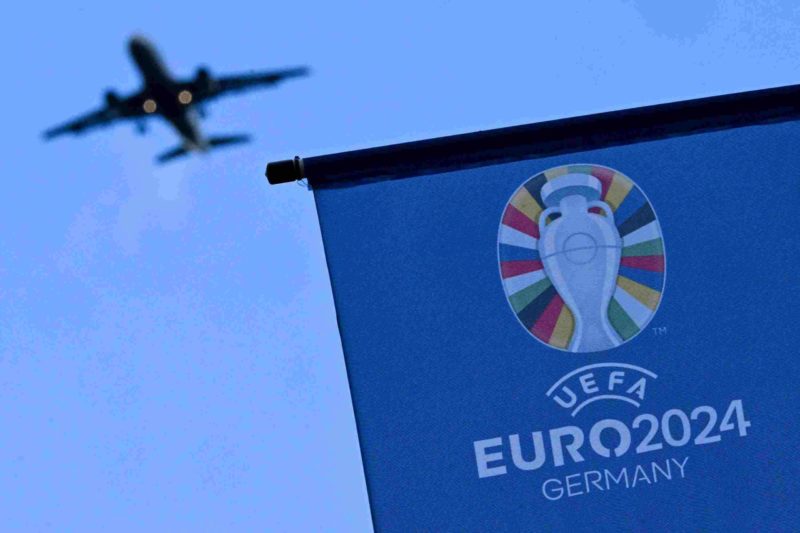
(581, 258)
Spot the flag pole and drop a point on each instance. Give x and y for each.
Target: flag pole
(542, 139)
(285, 171)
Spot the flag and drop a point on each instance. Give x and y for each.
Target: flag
(582, 324)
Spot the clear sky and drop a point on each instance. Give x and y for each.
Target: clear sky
(169, 358)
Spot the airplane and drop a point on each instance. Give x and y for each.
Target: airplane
(179, 101)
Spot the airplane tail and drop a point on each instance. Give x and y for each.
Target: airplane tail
(213, 142)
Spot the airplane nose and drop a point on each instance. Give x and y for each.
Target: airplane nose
(138, 42)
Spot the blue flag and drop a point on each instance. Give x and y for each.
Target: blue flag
(586, 324)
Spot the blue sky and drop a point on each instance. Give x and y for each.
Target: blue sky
(169, 357)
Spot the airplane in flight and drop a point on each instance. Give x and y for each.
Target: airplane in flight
(179, 101)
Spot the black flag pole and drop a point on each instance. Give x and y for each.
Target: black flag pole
(542, 139)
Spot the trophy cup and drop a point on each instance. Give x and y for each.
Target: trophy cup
(580, 251)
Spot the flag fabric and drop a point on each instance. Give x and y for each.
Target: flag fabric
(584, 325)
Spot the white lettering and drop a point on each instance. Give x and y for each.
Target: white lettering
(570, 401)
(550, 492)
(538, 452)
(681, 464)
(615, 378)
(616, 425)
(572, 448)
(638, 388)
(571, 486)
(588, 383)
(483, 459)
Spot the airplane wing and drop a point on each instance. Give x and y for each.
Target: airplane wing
(114, 110)
(205, 87)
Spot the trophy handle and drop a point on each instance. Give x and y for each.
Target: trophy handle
(605, 207)
(543, 216)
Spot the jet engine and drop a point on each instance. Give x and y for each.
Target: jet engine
(204, 81)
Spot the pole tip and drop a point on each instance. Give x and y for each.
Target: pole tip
(285, 171)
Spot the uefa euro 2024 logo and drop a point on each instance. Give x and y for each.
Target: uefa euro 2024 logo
(581, 257)
(582, 265)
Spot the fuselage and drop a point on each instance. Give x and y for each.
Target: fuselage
(164, 96)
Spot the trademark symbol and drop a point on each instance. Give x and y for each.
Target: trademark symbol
(659, 331)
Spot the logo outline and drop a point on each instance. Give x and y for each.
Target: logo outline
(663, 256)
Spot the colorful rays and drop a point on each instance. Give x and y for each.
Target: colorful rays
(641, 271)
(532, 296)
